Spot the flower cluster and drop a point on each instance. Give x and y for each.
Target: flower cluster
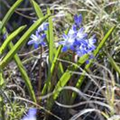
(39, 36)
(31, 114)
(77, 40)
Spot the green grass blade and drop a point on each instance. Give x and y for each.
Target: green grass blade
(103, 40)
(50, 38)
(21, 41)
(64, 79)
(1, 79)
(113, 63)
(24, 74)
(9, 14)
(3, 30)
(48, 82)
(37, 9)
(10, 37)
(60, 70)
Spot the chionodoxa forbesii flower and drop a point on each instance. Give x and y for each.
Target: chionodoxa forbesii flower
(77, 40)
(38, 38)
(31, 115)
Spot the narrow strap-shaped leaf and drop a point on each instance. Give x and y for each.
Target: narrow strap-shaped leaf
(21, 41)
(48, 83)
(1, 79)
(113, 63)
(9, 14)
(103, 40)
(3, 32)
(37, 9)
(50, 38)
(10, 37)
(24, 74)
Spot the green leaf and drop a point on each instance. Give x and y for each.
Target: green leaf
(48, 82)
(3, 30)
(22, 41)
(10, 37)
(24, 74)
(9, 14)
(113, 63)
(1, 79)
(103, 40)
(50, 38)
(37, 9)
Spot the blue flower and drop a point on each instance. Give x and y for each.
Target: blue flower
(4, 36)
(69, 39)
(68, 42)
(37, 40)
(72, 31)
(77, 40)
(81, 49)
(43, 27)
(78, 20)
(86, 46)
(91, 41)
(32, 111)
(31, 114)
(81, 34)
(80, 37)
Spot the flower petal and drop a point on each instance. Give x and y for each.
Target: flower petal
(31, 42)
(36, 45)
(32, 111)
(43, 27)
(65, 48)
(78, 19)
